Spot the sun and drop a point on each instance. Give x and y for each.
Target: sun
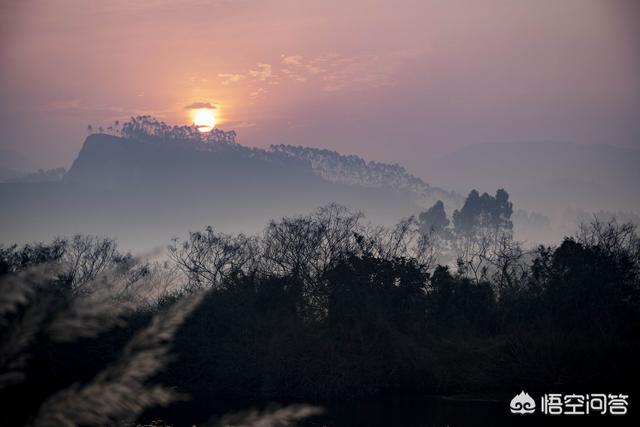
(204, 119)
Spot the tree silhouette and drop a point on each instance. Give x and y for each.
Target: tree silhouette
(319, 306)
(484, 211)
(434, 220)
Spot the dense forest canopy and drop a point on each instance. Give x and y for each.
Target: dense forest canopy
(318, 306)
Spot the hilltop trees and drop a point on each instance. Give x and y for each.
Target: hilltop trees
(150, 128)
(353, 170)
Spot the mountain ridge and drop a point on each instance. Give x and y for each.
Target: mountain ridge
(144, 189)
(326, 164)
(546, 176)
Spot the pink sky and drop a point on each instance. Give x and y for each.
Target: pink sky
(401, 81)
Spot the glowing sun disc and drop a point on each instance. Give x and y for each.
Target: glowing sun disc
(204, 119)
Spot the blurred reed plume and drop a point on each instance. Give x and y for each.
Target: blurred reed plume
(118, 393)
(38, 303)
(22, 316)
(274, 417)
(41, 302)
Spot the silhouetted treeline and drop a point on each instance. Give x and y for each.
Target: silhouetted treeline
(151, 129)
(323, 306)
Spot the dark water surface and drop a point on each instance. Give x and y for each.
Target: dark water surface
(451, 412)
(414, 412)
(421, 411)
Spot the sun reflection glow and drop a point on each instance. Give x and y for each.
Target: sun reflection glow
(204, 119)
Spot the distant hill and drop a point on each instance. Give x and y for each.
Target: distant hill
(547, 177)
(147, 186)
(107, 161)
(13, 165)
(41, 175)
(7, 174)
(351, 169)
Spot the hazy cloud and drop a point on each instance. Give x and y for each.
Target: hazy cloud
(259, 91)
(329, 72)
(337, 72)
(197, 105)
(231, 78)
(264, 72)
